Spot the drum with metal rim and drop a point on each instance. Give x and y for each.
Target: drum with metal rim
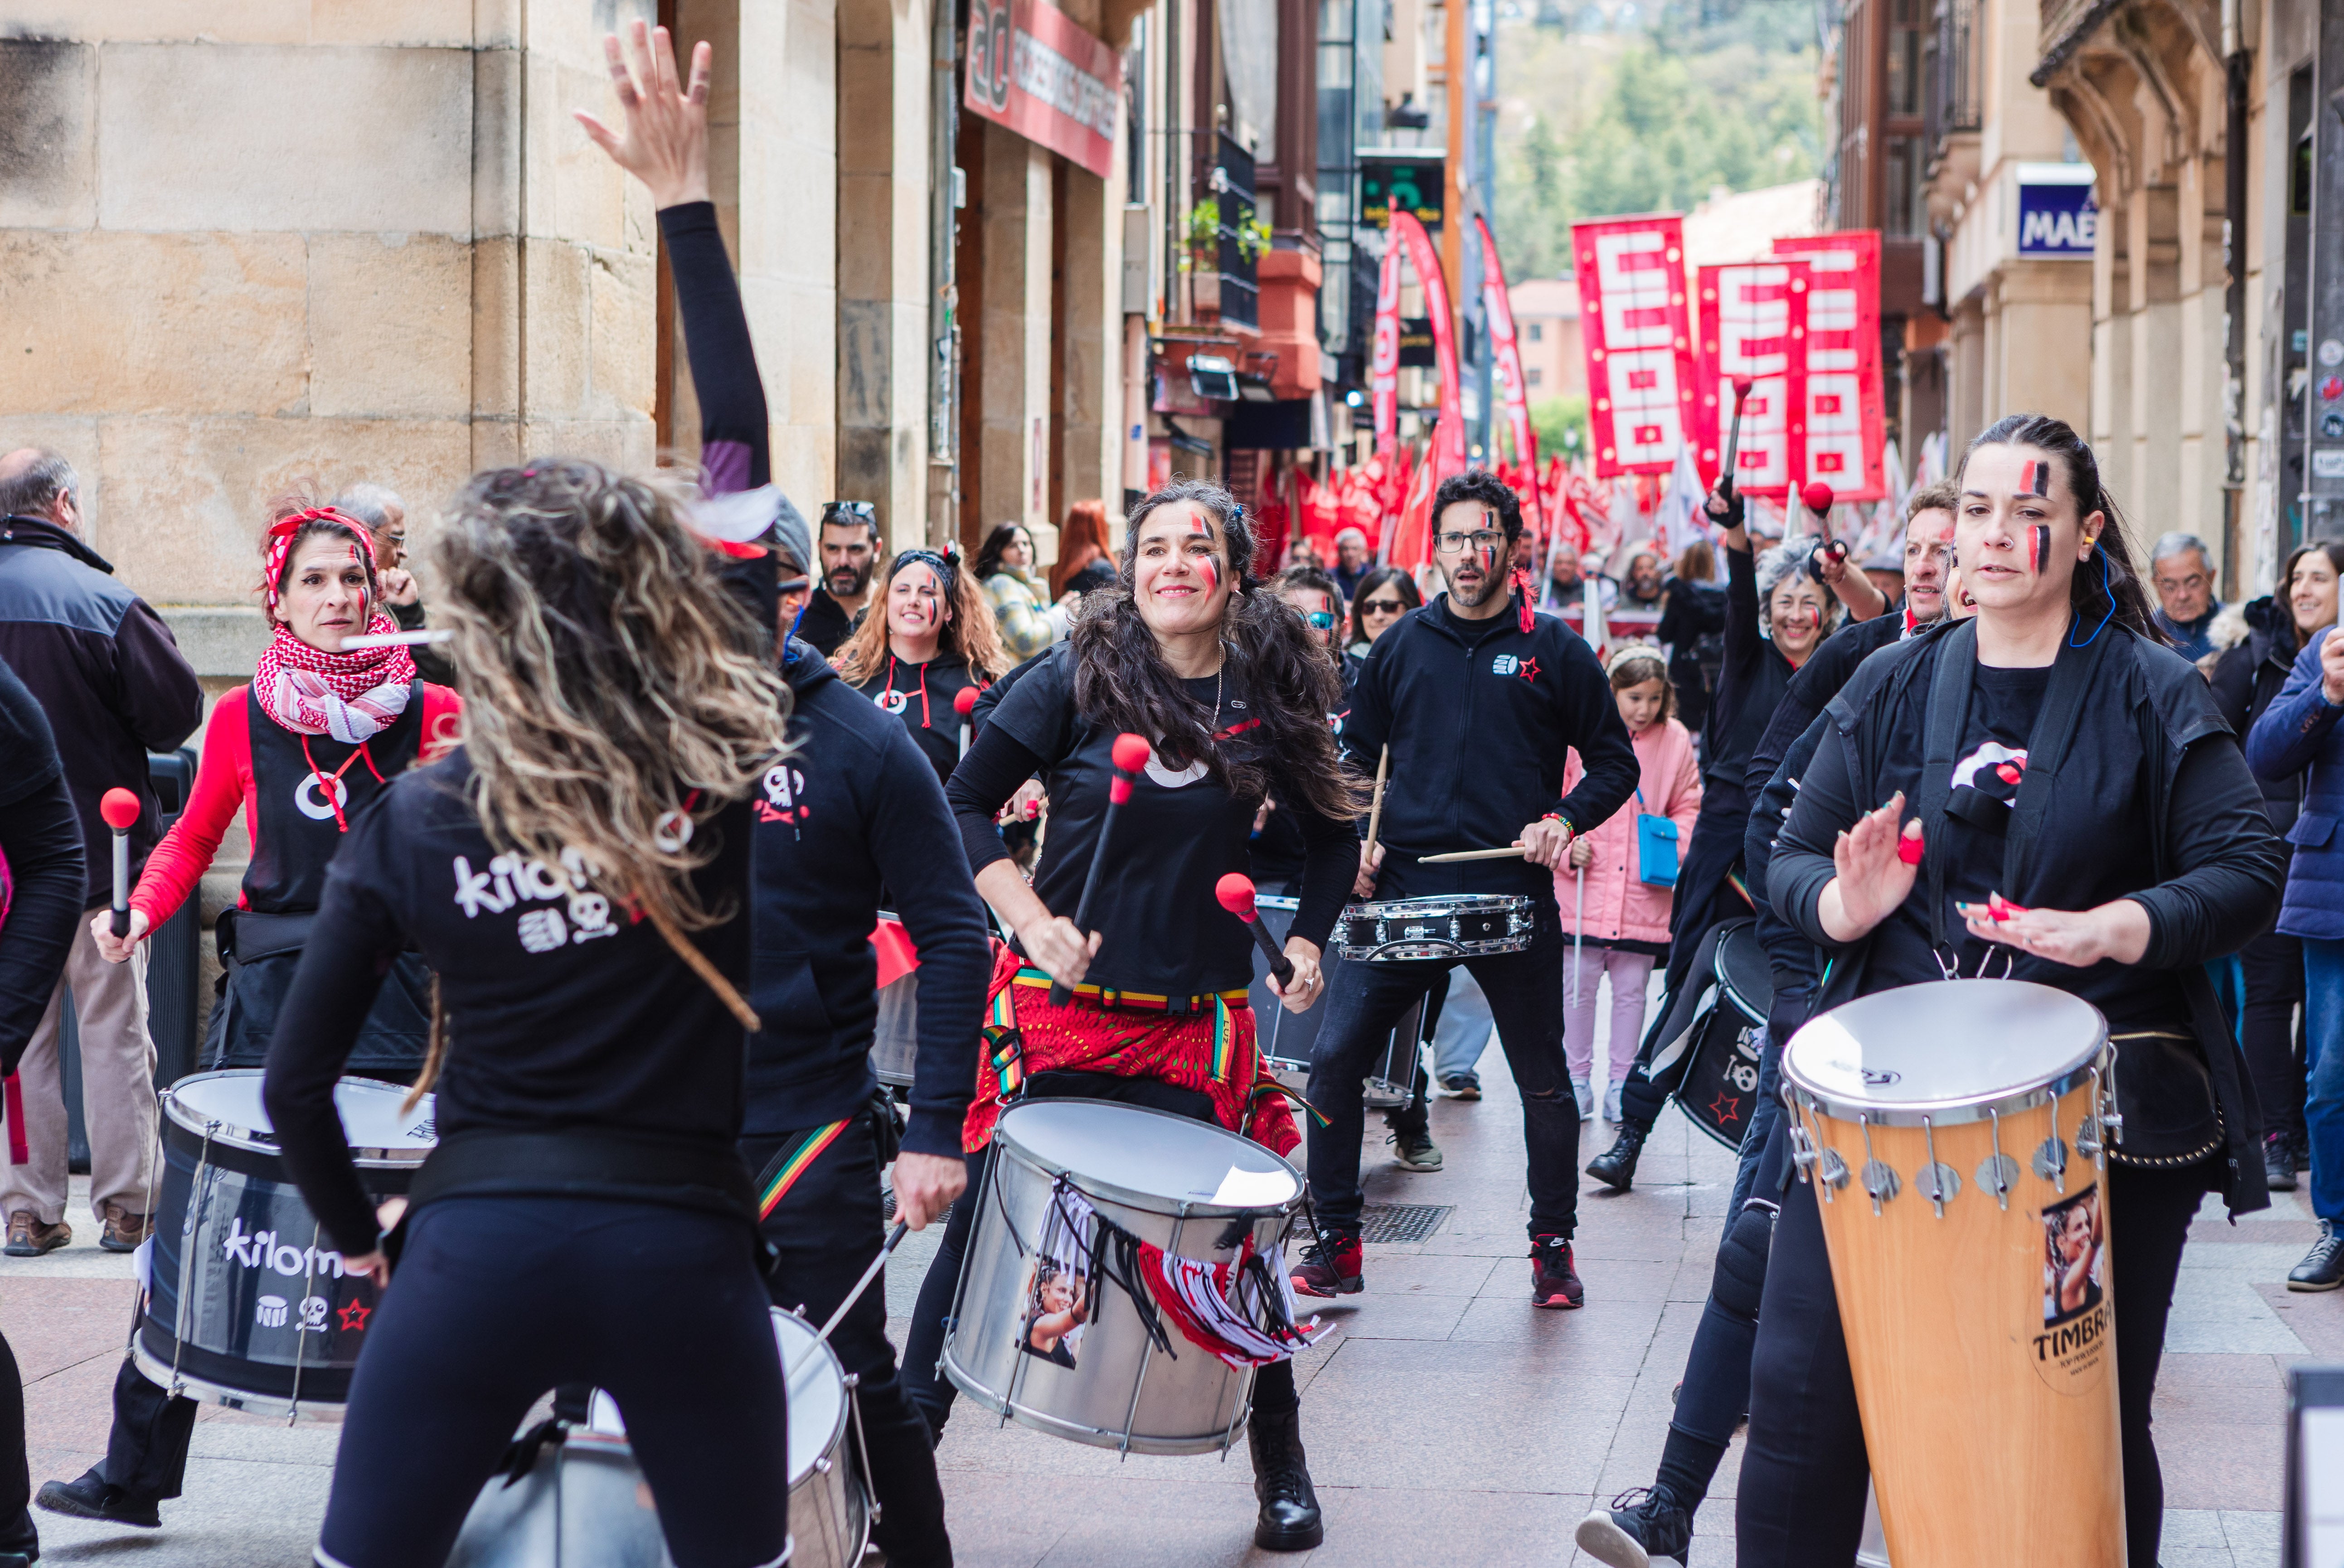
(245, 1300)
(1055, 1344)
(1452, 926)
(1287, 1039)
(1955, 1134)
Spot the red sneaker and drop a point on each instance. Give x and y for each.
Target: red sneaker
(1553, 1281)
(1330, 1266)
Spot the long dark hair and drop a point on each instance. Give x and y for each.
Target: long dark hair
(1400, 581)
(2106, 585)
(988, 554)
(1121, 679)
(2284, 590)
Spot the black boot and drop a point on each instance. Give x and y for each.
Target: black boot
(1616, 1166)
(1640, 1527)
(1281, 1478)
(2279, 1160)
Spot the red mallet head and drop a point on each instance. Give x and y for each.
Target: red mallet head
(1818, 497)
(1909, 845)
(1130, 754)
(120, 808)
(965, 701)
(1235, 894)
(1741, 385)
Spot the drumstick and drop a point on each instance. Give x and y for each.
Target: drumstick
(964, 704)
(120, 808)
(1129, 754)
(863, 1283)
(1818, 497)
(1505, 853)
(1741, 385)
(1376, 810)
(1235, 894)
(395, 640)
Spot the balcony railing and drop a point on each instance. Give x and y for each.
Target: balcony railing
(1953, 101)
(1240, 288)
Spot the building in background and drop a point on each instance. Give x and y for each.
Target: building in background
(1546, 330)
(1878, 170)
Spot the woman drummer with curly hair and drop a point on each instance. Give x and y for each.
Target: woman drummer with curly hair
(1227, 685)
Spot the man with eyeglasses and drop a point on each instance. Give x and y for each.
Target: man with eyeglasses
(850, 550)
(2180, 568)
(1479, 700)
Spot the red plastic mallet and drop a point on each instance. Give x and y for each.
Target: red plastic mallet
(120, 808)
(1129, 754)
(1909, 848)
(1236, 893)
(1818, 498)
(1741, 385)
(964, 704)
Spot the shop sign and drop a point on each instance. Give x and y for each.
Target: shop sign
(1033, 68)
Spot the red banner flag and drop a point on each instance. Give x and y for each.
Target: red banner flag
(1845, 407)
(1754, 321)
(1506, 354)
(1448, 453)
(1383, 370)
(1636, 322)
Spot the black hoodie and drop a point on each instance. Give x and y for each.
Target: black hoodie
(1479, 715)
(857, 809)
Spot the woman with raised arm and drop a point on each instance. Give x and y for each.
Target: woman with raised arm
(2142, 850)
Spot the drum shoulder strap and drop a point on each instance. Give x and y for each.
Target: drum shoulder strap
(1947, 712)
(2047, 745)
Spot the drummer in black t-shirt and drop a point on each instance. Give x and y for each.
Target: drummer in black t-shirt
(1226, 684)
(1479, 698)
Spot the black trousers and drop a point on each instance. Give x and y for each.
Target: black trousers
(827, 1228)
(1801, 1496)
(17, 1530)
(497, 1300)
(1525, 992)
(924, 1344)
(2273, 967)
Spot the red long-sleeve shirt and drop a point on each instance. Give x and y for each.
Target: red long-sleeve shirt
(224, 785)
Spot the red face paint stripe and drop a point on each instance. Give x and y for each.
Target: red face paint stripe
(2038, 545)
(2035, 479)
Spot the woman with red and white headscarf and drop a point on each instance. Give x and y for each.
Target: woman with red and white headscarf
(301, 750)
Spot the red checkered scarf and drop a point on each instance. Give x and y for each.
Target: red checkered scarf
(349, 696)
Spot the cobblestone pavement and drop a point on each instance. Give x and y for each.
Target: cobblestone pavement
(1447, 1419)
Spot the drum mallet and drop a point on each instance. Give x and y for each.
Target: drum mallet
(1376, 808)
(964, 704)
(1818, 498)
(863, 1283)
(1129, 754)
(1235, 894)
(120, 808)
(1741, 385)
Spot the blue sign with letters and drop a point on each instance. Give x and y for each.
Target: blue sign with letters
(2056, 215)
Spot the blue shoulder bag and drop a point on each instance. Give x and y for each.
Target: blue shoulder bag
(1656, 847)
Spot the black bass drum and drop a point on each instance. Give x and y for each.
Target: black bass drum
(1720, 1087)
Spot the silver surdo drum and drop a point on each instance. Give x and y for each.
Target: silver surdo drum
(1044, 1336)
(582, 1503)
(1453, 925)
(245, 1300)
(1286, 1039)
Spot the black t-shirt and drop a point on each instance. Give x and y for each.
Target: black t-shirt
(562, 1011)
(1163, 933)
(922, 695)
(824, 622)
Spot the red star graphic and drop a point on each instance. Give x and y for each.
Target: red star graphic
(1528, 669)
(1725, 1107)
(354, 1316)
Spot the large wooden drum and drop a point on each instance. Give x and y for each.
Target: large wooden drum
(1955, 1134)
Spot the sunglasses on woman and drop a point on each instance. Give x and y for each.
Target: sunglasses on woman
(1380, 607)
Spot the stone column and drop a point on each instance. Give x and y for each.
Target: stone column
(1006, 416)
(2152, 486)
(2046, 307)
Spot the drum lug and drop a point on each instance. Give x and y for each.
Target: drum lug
(1937, 1180)
(1831, 1170)
(1880, 1178)
(2051, 1161)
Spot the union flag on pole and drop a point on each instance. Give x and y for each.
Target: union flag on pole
(1637, 325)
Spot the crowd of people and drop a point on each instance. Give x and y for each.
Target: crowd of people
(592, 853)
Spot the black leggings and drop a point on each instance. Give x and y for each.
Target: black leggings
(2272, 967)
(1801, 1496)
(924, 1342)
(496, 1299)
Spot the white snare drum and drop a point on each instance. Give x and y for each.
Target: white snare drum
(1955, 1132)
(1454, 926)
(1184, 1186)
(584, 1503)
(1286, 1039)
(246, 1300)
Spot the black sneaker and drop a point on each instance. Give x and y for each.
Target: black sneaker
(1414, 1150)
(1640, 1526)
(1553, 1281)
(1461, 1086)
(2278, 1161)
(1331, 1266)
(95, 1497)
(2322, 1268)
(1616, 1166)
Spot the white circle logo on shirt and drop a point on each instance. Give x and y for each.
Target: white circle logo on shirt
(891, 702)
(1170, 779)
(312, 801)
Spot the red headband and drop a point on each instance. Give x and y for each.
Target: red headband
(282, 533)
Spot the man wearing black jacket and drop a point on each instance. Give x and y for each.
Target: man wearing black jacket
(856, 809)
(109, 676)
(1478, 699)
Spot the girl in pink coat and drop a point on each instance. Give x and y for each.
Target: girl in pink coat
(1621, 922)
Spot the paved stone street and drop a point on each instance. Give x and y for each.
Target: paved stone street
(1446, 1421)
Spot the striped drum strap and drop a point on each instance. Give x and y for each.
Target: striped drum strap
(1224, 1041)
(1005, 1048)
(774, 1183)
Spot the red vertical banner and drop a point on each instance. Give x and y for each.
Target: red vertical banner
(1753, 323)
(1636, 322)
(1448, 453)
(1846, 413)
(1505, 352)
(1383, 370)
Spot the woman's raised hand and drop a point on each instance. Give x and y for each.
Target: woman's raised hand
(665, 143)
(1874, 877)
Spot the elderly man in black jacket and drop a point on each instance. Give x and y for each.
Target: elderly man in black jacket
(109, 676)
